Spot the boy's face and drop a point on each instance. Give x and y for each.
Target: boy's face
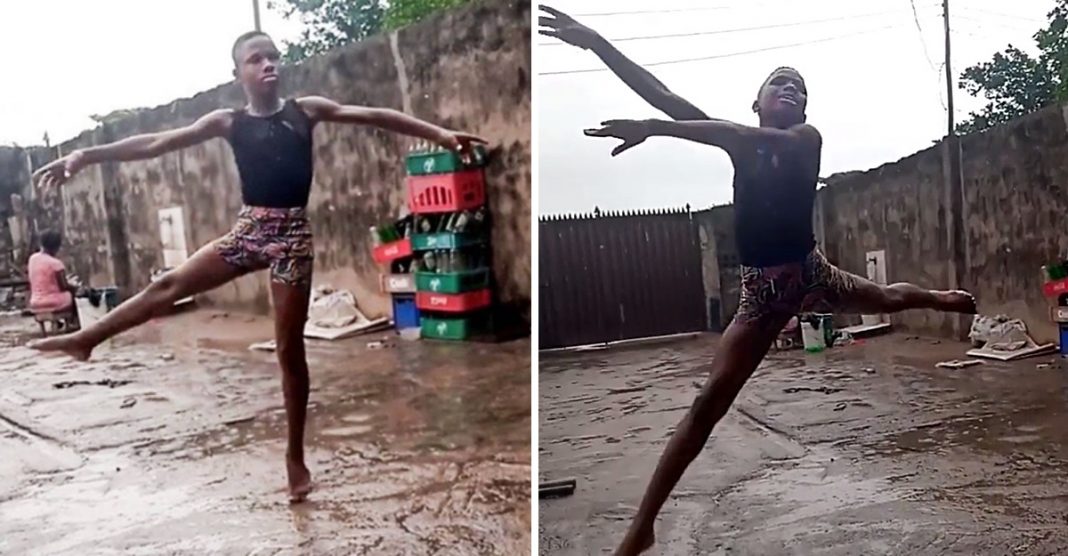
(783, 98)
(257, 65)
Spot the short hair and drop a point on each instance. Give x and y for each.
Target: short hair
(773, 72)
(242, 39)
(51, 240)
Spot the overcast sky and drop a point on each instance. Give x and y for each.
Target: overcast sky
(67, 59)
(873, 94)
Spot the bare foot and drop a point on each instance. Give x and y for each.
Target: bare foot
(67, 343)
(635, 543)
(300, 483)
(958, 301)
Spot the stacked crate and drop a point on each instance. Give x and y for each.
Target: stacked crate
(450, 241)
(397, 256)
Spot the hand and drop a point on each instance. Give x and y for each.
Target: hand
(59, 171)
(460, 142)
(564, 27)
(632, 132)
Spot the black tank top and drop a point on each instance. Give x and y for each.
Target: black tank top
(773, 204)
(274, 157)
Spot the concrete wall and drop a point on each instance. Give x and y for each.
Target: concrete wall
(1014, 216)
(719, 263)
(467, 69)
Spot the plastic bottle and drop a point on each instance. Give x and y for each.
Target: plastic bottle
(376, 238)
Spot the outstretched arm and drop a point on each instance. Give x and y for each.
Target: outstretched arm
(138, 147)
(321, 109)
(563, 27)
(729, 136)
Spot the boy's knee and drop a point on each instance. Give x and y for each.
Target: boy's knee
(893, 300)
(289, 346)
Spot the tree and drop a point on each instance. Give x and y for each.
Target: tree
(406, 12)
(332, 23)
(1016, 83)
(328, 24)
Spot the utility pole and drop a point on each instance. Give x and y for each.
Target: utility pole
(949, 66)
(954, 194)
(256, 13)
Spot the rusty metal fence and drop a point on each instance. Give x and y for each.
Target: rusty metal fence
(618, 276)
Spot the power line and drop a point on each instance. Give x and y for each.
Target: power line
(926, 54)
(667, 11)
(741, 29)
(732, 54)
(994, 23)
(1010, 16)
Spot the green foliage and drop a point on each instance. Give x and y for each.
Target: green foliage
(332, 23)
(328, 24)
(1016, 83)
(406, 12)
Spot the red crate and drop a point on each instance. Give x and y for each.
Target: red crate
(446, 192)
(1055, 288)
(392, 251)
(452, 302)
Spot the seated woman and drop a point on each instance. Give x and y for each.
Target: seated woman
(49, 290)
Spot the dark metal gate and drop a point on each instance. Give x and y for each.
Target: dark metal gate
(618, 276)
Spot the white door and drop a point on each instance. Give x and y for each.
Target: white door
(876, 273)
(172, 235)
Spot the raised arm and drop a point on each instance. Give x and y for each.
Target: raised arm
(729, 136)
(321, 109)
(563, 27)
(138, 147)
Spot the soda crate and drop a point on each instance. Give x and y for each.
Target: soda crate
(1055, 288)
(452, 328)
(442, 162)
(389, 252)
(452, 282)
(453, 192)
(453, 302)
(398, 283)
(446, 240)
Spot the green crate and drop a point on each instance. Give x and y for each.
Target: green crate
(442, 162)
(452, 282)
(446, 240)
(460, 328)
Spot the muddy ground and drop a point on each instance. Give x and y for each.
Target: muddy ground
(171, 441)
(864, 449)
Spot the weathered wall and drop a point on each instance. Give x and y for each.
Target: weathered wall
(898, 208)
(466, 69)
(719, 263)
(1015, 198)
(1016, 214)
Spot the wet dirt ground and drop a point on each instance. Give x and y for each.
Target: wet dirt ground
(171, 441)
(863, 449)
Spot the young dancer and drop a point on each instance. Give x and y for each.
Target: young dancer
(776, 167)
(272, 142)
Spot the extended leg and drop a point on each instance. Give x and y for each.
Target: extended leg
(291, 312)
(204, 271)
(870, 298)
(742, 347)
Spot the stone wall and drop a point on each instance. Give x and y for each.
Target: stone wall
(467, 69)
(1014, 220)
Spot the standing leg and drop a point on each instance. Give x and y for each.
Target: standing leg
(204, 271)
(742, 347)
(291, 312)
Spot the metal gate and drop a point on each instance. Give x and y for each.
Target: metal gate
(618, 276)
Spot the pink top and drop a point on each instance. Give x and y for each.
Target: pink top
(45, 293)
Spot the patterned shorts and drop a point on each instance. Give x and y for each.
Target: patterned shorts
(785, 290)
(279, 239)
